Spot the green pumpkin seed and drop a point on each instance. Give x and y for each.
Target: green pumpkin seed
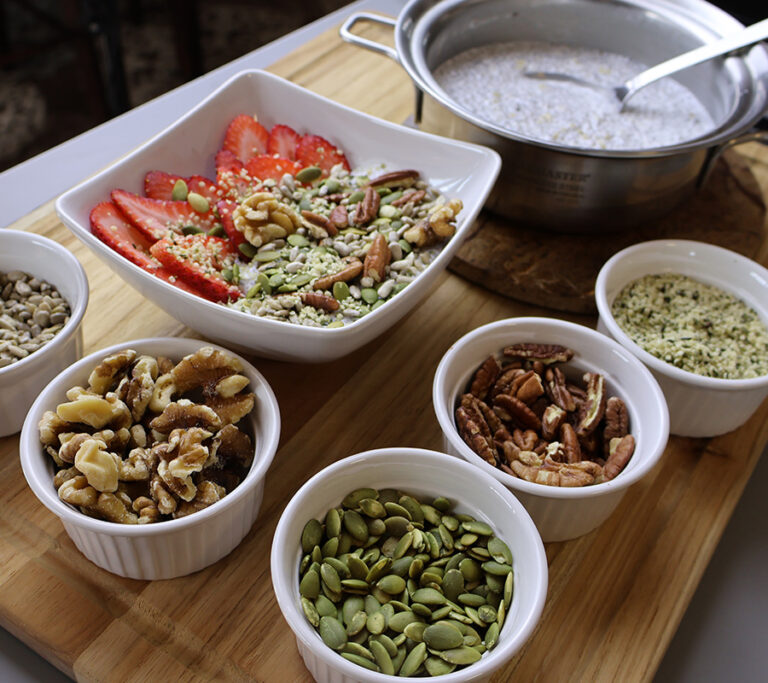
(266, 256)
(357, 568)
(432, 515)
(413, 506)
(198, 202)
(414, 660)
(387, 642)
(509, 585)
(340, 292)
(253, 291)
(301, 279)
(356, 197)
(360, 661)
(296, 240)
(308, 174)
(496, 568)
(443, 636)
(380, 595)
(471, 637)
(399, 605)
(461, 655)
(415, 631)
(402, 545)
(487, 614)
(180, 190)
(309, 587)
(356, 585)
(311, 535)
(369, 295)
(352, 500)
(471, 599)
(453, 584)
(376, 623)
(430, 577)
(372, 605)
(310, 612)
(351, 606)
(470, 569)
(499, 550)
(473, 615)
(378, 570)
(397, 526)
(477, 527)
(332, 185)
(495, 582)
(392, 584)
(428, 596)
(398, 622)
(217, 231)
(330, 577)
(399, 658)
(192, 230)
(441, 613)
(438, 667)
(355, 525)
(332, 633)
(345, 543)
(353, 648)
(376, 527)
(324, 607)
(382, 657)
(446, 537)
(247, 250)
(421, 610)
(356, 623)
(391, 197)
(332, 523)
(369, 506)
(415, 568)
(330, 547)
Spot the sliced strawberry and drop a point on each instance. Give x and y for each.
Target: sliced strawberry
(313, 150)
(156, 217)
(266, 167)
(246, 137)
(164, 274)
(159, 185)
(231, 175)
(283, 141)
(110, 225)
(198, 260)
(225, 214)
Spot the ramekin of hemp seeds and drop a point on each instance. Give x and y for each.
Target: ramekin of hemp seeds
(697, 316)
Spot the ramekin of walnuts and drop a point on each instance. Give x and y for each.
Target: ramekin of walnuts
(557, 412)
(153, 453)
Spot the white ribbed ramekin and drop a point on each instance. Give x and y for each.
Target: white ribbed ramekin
(165, 549)
(559, 513)
(698, 406)
(21, 382)
(420, 473)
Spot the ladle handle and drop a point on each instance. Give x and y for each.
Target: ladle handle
(346, 33)
(748, 36)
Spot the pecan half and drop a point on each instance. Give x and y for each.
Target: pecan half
(354, 269)
(322, 302)
(368, 208)
(404, 178)
(319, 221)
(546, 353)
(503, 384)
(339, 217)
(570, 443)
(594, 408)
(471, 433)
(484, 377)
(620, 451)
(377, 258)
(529, 388)
(616, 420)
(553, 417)
(514, 410)
(555, 388)
(412, 196)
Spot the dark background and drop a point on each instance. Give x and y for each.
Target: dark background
(68, 65)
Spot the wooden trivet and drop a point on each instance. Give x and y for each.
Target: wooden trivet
(558, 270)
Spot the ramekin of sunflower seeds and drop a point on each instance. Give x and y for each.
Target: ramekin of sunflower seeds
(687, 310)
(43, 296)
(419, 565)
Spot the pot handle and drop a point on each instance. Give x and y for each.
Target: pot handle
(758, 134)
(346, 33)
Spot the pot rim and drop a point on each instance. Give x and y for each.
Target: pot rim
(707, 16)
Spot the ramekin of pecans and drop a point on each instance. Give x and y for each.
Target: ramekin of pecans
(560, 414)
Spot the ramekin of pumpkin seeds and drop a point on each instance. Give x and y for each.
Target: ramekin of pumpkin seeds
(392, 563)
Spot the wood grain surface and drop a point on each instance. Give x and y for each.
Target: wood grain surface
(615, 596)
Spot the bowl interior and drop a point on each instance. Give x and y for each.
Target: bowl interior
(646, 31)
(424, 474)
(625, 377)
(39, 468)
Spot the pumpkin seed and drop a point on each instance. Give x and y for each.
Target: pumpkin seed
(441, 612)
(438, 667)
(453, 584)
(501, 614)
(509, 585)
(310, 612)
(360, 661)
(330, 547)
(351, 606)
(356, 623)
(387, 642)
(369, 295)
(391, 584)
(368, 506)
(180, 190)
(330, 577)
(296, 240)
(471, 599)
(399, 621)
(491, 636)
(353, 648)
(428, 596)
(431, 514)
(422, 610)
(477, 527)
(399, 658)
(192, 230)
(470, 569)
(332, 523)
(308, 174)
(352, 500)
(391, 197)
(460, 655)
(309, 587)
(311, 535)
(487, 614)
(198, 202)
(397, 526)
(357, 568)
(442, 636)
(379, 569)
(372, 605)
(496, 568)
(341, 292)
(217, 231)
(355, 525)
(401, 565)
(414, 660)
(415, 631)
(247, 249)
(332, 633)
(402, 545)
(495, 582)
(376, 623)
(382, 657)
(376, 527)
(356, 197)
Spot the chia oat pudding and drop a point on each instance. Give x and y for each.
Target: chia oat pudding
(363, 238)
(488, 81)
(694, 326)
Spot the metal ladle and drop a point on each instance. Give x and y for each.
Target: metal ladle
(744, 38)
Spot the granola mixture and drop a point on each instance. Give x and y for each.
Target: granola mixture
(355, 243)
(694, 326)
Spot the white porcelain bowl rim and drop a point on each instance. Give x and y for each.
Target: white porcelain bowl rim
(309, 332)
(77, 307)
(305, 632)
(623, 480)
(47, 494)
(652, 361)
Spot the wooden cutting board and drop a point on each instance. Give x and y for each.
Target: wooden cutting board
(558, 270)
(615, 596)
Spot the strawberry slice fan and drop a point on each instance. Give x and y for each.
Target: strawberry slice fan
(148, 230)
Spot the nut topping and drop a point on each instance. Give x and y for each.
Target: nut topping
(404, 178)
(368, 208)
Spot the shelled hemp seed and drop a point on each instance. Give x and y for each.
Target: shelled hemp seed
(694, 326)
(403, 587)
(32, 312)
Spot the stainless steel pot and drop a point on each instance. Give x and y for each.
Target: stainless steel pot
(573, 189)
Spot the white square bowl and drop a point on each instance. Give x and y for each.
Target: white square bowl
(188, 147)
